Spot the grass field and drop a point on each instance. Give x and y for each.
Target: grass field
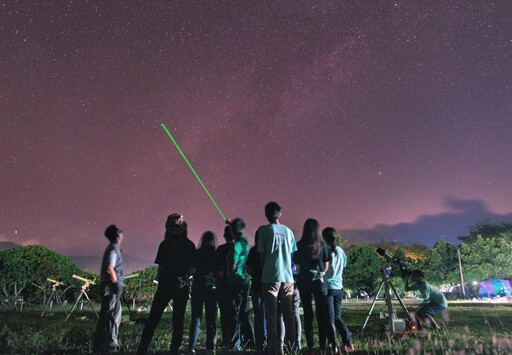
(471, 328)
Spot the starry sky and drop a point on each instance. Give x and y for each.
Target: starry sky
(379, 118)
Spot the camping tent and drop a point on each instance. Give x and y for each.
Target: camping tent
(494, 288)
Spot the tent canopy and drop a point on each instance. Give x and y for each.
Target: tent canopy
(494, 288)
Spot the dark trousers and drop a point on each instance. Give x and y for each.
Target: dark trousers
(206, 296)
(164, 294)
(334, 299)
(107, 327)
(260, 323)
(308, 291)
(240, 329)
(296, 314)
(224, 307)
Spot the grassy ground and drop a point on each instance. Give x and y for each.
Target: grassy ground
(471, 328)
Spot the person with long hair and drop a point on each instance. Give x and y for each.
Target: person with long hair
(334, 277)
(240, 328)
(204, 292)
(313, 258)
(175, 261)
(254, 269)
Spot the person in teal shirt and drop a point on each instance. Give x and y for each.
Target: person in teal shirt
(239, 289)
(276, 243)
(334, 277)
(434, 300)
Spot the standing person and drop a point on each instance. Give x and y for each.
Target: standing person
(204, 291)
(313, 258)
(239, 288)
(175, 260)
(434, 300)
(222, 285)
(296, 313)
(334, 278)
(276, 243)
(111, 289)
(254, 269)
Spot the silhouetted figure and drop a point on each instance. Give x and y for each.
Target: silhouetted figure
(254, 269)
(175, 260)
(204, 292)
(313, 258)
(222, 285)
(111, 289)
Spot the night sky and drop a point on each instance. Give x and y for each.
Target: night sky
(381, 119)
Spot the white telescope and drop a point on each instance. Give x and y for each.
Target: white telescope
(86, 282)
(55, 282)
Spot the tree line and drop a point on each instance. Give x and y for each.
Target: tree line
(486, 253)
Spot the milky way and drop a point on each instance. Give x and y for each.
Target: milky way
(359, 114)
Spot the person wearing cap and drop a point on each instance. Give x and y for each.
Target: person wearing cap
(111, 288)
(175, 261)
(434, 300)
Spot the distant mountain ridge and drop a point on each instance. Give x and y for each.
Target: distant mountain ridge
(93, 262)
(8, 245)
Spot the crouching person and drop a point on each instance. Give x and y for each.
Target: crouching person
(111, 288)
(434, 301)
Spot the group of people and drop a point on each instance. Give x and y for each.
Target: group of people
(277, 272)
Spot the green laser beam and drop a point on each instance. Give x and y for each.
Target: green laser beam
(193, 171)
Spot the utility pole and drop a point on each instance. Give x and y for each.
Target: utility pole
(461, 275)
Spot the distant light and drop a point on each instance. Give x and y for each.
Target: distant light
(15, 231)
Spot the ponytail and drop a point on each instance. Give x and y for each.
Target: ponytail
(329, 235)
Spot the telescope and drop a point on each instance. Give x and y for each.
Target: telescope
(83, 293)
(404, 270)
(86, 282)
(55, 282)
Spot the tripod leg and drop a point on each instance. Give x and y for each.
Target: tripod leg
(372, 306)
(127, 302)
(75, 305)
(400, 300)
(46, 304)
(90, 304)
(59, 301)
(389, 303)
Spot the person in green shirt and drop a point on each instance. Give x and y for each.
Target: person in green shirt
(239, 289)
(434, 300)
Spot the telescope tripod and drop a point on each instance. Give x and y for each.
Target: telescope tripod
(388, 287)
(54, 297)
(83, 293)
